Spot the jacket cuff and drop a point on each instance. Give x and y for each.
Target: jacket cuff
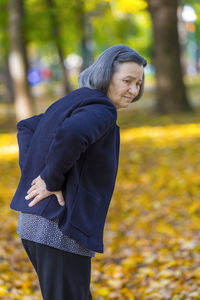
(53, 183)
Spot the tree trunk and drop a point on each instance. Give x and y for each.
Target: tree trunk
(85, 32)
(171, 92)
(18, 61)
(56, 36)
(10, 95)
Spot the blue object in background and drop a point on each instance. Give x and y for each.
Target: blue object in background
(34, 76)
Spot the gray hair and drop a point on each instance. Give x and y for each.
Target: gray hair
(99, 74)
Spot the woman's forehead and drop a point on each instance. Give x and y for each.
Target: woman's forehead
(130, 69)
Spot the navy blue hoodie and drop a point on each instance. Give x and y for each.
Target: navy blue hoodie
(74, 147)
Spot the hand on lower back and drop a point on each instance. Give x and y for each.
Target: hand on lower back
(38, 191)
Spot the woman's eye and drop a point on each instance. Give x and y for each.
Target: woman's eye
(127, 81)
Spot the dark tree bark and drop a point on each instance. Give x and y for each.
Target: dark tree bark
(85, 32)
(171, 92)
(18, 61)
(56, 37)
(86, 44)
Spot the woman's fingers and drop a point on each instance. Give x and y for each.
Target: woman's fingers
(35, 201)
(39, 198)
(34, 180)
(31, 189)
(60, 198)
(38, 191)
(31, 195)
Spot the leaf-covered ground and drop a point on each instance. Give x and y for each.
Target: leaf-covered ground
(152, 231)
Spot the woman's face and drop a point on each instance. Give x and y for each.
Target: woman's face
(125, 84)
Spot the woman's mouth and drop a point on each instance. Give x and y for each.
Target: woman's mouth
(128, 98)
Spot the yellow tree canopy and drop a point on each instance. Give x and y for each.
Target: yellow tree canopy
(128, 6)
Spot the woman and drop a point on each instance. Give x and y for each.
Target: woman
(68, 157)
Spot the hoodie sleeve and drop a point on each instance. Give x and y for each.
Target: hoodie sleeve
(85, 126)
(26, 129)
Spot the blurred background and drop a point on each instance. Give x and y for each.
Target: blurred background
(152, 232)
(45, 44)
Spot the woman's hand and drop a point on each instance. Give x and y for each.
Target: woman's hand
(38, 191)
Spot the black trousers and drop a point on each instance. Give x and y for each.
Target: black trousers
(62, 275)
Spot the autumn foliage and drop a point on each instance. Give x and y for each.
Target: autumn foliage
(152, 232)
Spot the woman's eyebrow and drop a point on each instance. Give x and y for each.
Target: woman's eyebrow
(133, 77)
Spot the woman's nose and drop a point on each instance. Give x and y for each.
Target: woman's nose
(133, 90)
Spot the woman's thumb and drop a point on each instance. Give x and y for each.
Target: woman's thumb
(60, 198)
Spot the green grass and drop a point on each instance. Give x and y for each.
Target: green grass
(145, 117)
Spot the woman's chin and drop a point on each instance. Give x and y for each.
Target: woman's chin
(122, 105)
(125, 105)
